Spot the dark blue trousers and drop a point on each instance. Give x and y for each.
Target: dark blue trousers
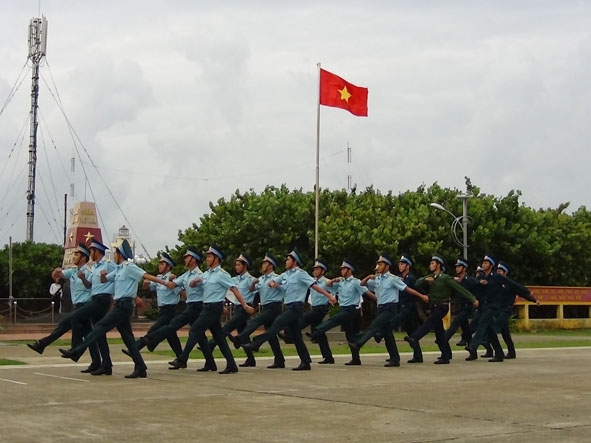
(290, 321)
(209, 318)
(381, 324)
(187, 317)
(94, 310)
(346, 318)
(166, 314)
(238, 321)
(265, 318)
(119, 317)
(433, 323)
(85, 327)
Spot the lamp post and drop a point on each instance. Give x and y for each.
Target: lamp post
(461, 222)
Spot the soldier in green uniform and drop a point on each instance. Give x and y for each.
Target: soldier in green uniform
(441, 288)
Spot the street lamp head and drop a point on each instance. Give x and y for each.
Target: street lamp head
(438, 206)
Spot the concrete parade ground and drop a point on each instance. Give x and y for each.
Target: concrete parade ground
(542, 396)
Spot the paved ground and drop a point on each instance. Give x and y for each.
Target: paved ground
(542, 396)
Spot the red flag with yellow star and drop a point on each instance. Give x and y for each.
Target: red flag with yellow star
(339, 93)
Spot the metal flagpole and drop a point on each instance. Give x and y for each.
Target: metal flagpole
(317, 169)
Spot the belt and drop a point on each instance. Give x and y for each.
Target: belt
(441, 303)
(122, 300)
(100, 295)
(387, 305)
(272, 303)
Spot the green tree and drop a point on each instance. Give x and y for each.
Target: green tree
(544, 247)
(32, 264)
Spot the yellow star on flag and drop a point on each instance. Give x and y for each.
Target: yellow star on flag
(71, 236)
(88, 236)
(344, 94)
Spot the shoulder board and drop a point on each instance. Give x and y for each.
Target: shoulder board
(223, 270)
(107, 260)
(125, 263)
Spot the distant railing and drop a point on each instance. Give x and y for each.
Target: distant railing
(40, 309)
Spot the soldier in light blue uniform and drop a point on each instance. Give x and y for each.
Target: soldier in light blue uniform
(80, 294)
(167, 300)
(125, 278)
(193, 301)
(272, 304)
(216, 283)
(239, 319)
(318, 309)
(99, 305)
(349, 291)
(296, 283)
(386, 287)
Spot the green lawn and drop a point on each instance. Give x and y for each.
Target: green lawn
(6, 362)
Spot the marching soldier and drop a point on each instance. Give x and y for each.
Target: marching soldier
(193, 302)
(386, 287)
(81, 294)
(272, 304)
(240, 317)
(441, 288)
(350, 292)
(216, 282)
(126, 277)
(501, 323)
(296, 282)
(463, 309)
(167, 299)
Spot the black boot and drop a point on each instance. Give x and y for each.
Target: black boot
(138, 373)
(37, 347)
(302, 367)
(473, 355)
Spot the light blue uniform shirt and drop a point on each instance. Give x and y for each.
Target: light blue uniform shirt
(316, 298)
(386, 287)
(296, 283)
(216, 283)
(266, 293)
(242, 282)
(350, 291)
(165, 296)
(193, 294)
(99, 287)
(126, 277)
(78, 292)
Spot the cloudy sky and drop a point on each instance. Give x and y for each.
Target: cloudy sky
(179, 103)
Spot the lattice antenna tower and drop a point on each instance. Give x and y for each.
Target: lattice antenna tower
(37, 50)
